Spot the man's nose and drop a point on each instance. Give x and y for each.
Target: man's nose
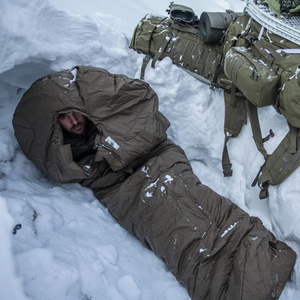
(73, 119)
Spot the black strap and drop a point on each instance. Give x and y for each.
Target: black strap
(226, 164)
(264, 191)
(266, 138)
(214, 84)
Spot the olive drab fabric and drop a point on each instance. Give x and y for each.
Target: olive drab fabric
(255, 80)
(274, 68)
(158, 38)
(254, 66)
(283, 6)
(40, 136)
(210, 244)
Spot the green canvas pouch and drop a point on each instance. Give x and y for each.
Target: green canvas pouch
(289, 96)
(251, 76)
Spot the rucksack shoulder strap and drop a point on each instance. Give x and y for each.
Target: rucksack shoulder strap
(146, 60)
(255, 126)
(281, 163)
(235, 118)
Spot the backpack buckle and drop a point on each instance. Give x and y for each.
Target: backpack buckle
(227, 171)
(264, 192)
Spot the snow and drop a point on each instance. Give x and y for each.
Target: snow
(68, 246)
(231, 227)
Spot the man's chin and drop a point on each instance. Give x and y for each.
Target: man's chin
(78, 131)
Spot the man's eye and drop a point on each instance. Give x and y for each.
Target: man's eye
(62, 118)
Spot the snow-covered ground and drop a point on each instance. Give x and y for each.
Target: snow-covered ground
(67, 246)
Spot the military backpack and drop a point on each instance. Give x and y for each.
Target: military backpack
(253, 65)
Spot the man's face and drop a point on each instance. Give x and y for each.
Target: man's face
(72, 122)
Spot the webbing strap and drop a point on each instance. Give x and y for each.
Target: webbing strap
(156, 57)
(226, 164)
(294, 139)
(185, 28)
(160, 51)
(181, 57)
(264, 191)
(189, 49)
(219, 70)
(268, 52)
(146, 60)
(269, 55)
(281, 163)
(253, 116)
(235, 118)
(204, 58)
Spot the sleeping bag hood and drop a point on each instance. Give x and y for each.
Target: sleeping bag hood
(124, 110)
